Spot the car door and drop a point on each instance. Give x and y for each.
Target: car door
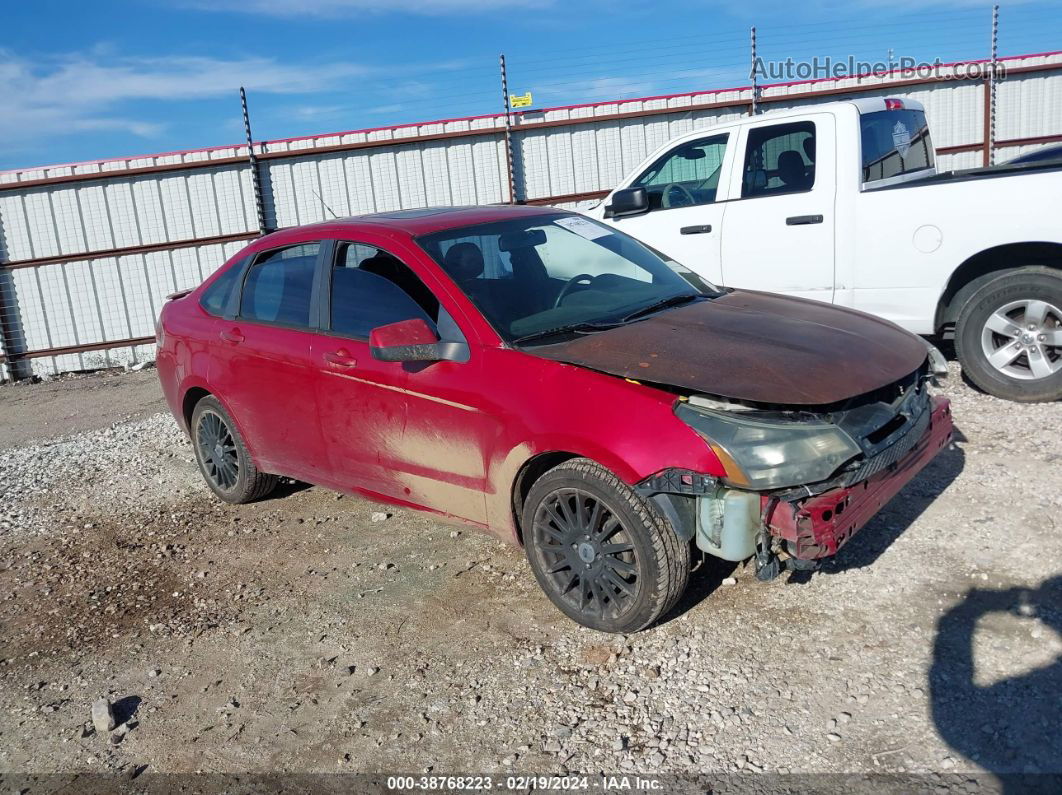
(778, 228)
(404, 431)
(261, 361)
(685, 203)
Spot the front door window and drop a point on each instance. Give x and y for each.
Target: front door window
(686, 176)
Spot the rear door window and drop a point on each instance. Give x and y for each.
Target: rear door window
(279, 286)
(371, 287)
(894, 143)
(779, 158)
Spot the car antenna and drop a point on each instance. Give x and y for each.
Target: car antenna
(318, 195)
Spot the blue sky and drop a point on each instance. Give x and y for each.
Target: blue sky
(82, 80)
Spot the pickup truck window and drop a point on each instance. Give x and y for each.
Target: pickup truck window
(686, 176)
(895, 142)
(779, 158)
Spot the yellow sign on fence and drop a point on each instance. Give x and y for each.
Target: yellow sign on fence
(520, 101)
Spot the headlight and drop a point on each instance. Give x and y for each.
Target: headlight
(770, 454)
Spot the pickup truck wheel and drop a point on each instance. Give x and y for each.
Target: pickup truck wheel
(1009, 336)
(602, 554)
(223, 458)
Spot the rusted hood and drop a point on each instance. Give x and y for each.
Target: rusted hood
(753, 346)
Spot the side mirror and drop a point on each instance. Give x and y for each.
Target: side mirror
(628, 201)
(413, 340)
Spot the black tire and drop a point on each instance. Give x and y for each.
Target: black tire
(624, 539)
(975, 341)
(223, 458)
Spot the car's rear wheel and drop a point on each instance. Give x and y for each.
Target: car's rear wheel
(1009, 335)
(602, 554)
(223, 458)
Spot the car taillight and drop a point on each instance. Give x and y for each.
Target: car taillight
(893, 104)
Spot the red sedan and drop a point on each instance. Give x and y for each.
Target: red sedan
(553, 381)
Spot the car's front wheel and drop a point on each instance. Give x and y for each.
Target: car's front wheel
(602, 554)
(1009, 335)
(222, 455)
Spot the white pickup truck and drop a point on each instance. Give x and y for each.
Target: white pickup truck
(842, 203)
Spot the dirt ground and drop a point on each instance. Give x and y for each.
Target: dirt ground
(298, 635)
(75, 403)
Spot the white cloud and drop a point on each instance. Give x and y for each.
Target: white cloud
(595, 88)
(98, 91)
(380, 110)
(341, 8)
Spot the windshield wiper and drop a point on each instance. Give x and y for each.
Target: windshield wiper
(663, 303)
(570, 328)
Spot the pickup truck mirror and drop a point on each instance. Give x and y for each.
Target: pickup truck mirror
(410, 340)
(628, 201)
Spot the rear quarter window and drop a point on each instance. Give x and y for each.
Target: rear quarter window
(894, 143)
(215, 298)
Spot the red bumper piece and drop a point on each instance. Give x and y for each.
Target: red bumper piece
(818, 526)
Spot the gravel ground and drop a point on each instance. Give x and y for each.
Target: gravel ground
(296, 634)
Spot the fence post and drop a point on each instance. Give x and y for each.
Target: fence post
(755, 82)
(11, 339)
(256, 177)
(990, 94)
(508, 130)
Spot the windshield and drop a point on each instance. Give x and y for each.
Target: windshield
(895, 142)
(534, 276)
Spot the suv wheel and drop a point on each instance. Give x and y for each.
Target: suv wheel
(223, 458)
(602, 554)
(1009, 335)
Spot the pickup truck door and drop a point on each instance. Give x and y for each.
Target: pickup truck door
(685, 209)
(778, 228)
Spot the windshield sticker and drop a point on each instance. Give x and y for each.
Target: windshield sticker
(583, 227)
(901, 138)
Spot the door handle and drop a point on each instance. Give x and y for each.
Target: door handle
(341, 358)
(695, 230)
(800, 220)
(232, 335)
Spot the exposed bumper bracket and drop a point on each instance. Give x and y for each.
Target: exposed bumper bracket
(818, 526)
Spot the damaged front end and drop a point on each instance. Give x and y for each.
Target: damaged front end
(799, 482)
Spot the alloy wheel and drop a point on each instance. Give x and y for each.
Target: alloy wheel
(217, 449)
(1023, 339)
(587, 555)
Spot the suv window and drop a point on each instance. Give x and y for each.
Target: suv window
(894, 142)
(215, 298)
(779, 159)
(279, 286)
(371, 288)
(686, 176)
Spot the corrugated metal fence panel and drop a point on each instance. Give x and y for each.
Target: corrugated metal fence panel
(190, 157)
(1031, 106)
(562, 152)
(73, 218)
(113, 298)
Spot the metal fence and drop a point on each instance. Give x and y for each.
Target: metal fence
(89, 251)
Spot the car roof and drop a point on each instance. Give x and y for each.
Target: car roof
(412, 222)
